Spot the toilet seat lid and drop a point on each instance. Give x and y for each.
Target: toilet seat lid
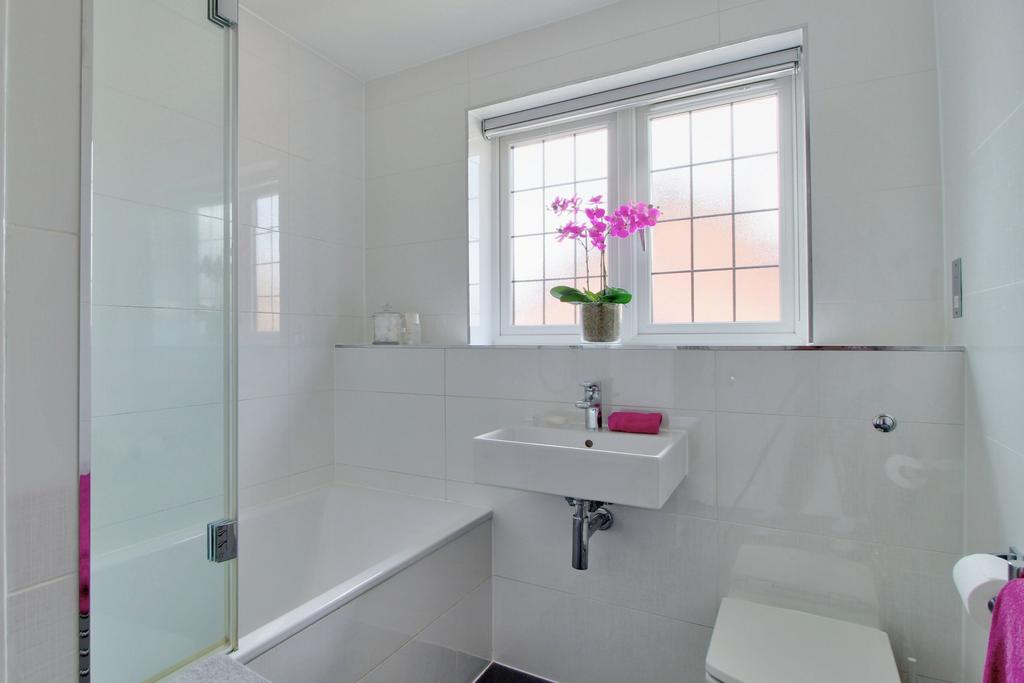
(755, 643)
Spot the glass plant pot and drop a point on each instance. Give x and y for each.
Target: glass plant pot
(601, 323)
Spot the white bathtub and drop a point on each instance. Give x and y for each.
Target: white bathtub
(334, 582)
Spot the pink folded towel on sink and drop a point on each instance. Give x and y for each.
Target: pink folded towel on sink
(1004, 662)
(637, 423)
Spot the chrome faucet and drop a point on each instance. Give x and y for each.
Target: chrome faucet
(591, 403)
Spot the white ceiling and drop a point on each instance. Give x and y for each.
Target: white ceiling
(373, 38)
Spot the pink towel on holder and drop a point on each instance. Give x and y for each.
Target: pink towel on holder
(638, 423)
(1004, 662)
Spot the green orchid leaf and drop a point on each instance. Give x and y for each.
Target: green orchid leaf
(615, 295)
(569, 295)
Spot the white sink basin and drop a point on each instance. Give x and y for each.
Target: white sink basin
(641, 470)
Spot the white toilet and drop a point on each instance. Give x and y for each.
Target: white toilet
(754, 643)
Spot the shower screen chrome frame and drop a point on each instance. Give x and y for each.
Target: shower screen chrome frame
(227, 16)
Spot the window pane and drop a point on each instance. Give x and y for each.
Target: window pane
(756, 126)
(474, 305)
(712, 296)
(528, 212)
(555, 312)
(712, 189)
(712, 242)
(712, 134)
(474, 262)
(757, 183)
(590, 189)
(670, 141)
(670, 192)
(671, 298)
(593, 284)
(558, 258)
(552, 222)
(528, 303)
(591, 259)
(757, 295)
(757, 239)
(527, 258)
(558, 161)
(592, 155)
(670, 246)
(527, 166)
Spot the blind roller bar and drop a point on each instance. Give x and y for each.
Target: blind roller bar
(707, 79)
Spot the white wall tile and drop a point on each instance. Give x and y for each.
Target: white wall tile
(363, 418)
(264, 444)
(311, 434)
(43, 633)
(311, 340)
(553, 634)
(418, 205)
(530, 374)
(777, 382)
(42, 405)
(847, 42)
(398, 142)
(398, 370)
(262, 355)
(418, 81)
(841, 478)
(43, 130)
(408, 484)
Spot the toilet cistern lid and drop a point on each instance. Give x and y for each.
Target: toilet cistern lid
(755, 643)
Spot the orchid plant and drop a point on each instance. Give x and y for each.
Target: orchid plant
(592, 234)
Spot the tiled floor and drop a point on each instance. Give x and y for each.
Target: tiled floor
(496, 673)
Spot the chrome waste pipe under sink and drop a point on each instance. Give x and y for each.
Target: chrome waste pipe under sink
(588, 517)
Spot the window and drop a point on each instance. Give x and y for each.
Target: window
(727, 260)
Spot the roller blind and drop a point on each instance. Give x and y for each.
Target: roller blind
(708, 79)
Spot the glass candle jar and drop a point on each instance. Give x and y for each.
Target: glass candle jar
(388, 326)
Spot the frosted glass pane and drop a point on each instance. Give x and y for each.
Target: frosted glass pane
(670, 192)
(756, 126)
(552, 222)
(593, 188)
(555, 312)
(591, 259)
(527, 166)
(528, 303)
(671, 298)
(559, 261)
(757, 239)
(670, 246)
(712, 132)
(757, 295)
(528, 212)
(712, 189)
(558, 158)
(592, 155)
(757, 183)
(712, 242)
(528, 258)
(474, 305)
(670, 141)
(712, 296)
(474, 262)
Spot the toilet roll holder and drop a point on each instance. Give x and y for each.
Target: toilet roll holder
(1014, 569)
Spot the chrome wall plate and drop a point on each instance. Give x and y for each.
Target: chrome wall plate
(958, 288)
(222, 540)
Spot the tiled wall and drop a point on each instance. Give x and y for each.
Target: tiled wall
(983, 152)
(41, 338)
(792, 497)
(301, 253)
(876, 216)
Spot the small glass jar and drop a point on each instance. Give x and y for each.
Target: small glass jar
(388, 326)
(601, 323)
(412, 334)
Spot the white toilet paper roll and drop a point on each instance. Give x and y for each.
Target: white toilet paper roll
(979, 578)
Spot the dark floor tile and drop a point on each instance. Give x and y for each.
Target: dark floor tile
(496, 673)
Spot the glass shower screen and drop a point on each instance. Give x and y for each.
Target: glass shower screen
(157, 391)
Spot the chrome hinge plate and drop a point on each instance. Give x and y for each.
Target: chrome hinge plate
(222, 540)
(223, 12)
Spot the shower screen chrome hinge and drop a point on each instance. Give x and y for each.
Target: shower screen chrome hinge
(223, 12)
(222, 540)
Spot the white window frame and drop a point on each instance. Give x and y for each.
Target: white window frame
(629, 266)
(547, 334)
